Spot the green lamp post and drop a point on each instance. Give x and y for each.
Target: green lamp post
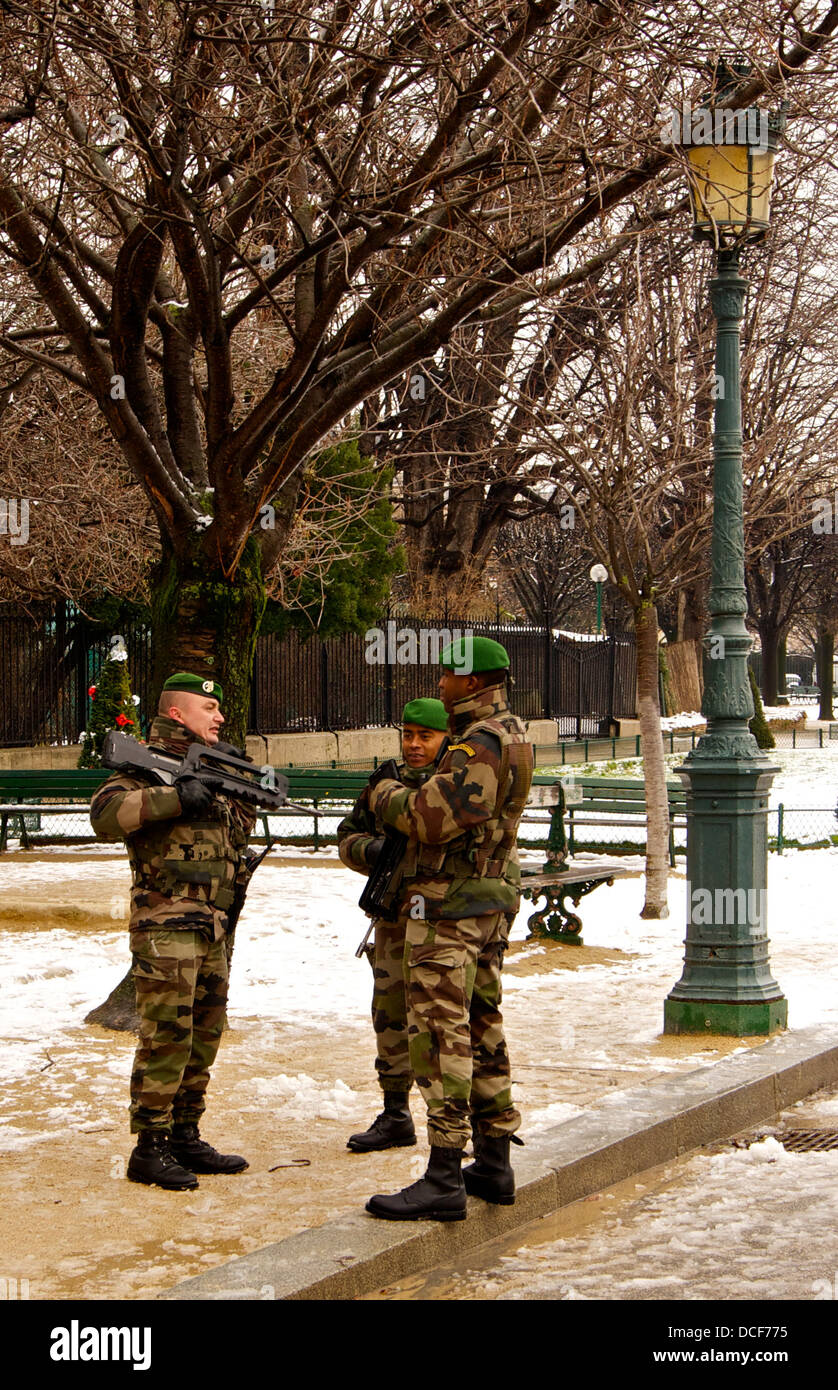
(598, 575)
(727, 985)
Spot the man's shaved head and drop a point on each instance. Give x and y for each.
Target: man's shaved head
(200, 714)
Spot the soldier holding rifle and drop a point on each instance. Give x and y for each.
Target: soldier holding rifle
(187, 845)
(460, 890)
(361, 841)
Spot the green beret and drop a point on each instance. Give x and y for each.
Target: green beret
(474, 654)
(429, 713)
(194, 685)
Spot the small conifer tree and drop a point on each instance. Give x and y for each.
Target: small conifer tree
(759, 724)
(113, 705)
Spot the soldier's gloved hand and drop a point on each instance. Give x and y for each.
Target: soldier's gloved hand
(372, 850)
(388, 771)
(231, 751)
(195, 797)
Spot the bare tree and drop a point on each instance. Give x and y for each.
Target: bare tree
(90, 527)
(627, 426)
(547, 563)
(231, 224)
(819, 621)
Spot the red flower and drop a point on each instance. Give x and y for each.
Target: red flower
(92, 691)
(122, 720)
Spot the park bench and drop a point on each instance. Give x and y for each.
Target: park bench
(26, 796)
(613, 801)
(33, 792)
(558, 878)
(330, 790)
(608, 801)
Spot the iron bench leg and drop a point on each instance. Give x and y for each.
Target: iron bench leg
(554, 921)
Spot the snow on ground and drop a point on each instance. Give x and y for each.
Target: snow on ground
(294, 1075)
(303, 1098)
(691, 719)
(709, 1230)
(295, 967)
(806, 777)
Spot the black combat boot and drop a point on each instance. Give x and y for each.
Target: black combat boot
(491, 1176)
(152, 1162)
(393, 1129)
(200, 1157)
(439, 1196)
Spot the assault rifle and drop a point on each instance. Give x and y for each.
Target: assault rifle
(222, 772)
(381, 888)
(380, 895)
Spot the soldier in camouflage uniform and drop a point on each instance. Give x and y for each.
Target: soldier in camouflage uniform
(461, 890)
(186, 846)
(360, 839)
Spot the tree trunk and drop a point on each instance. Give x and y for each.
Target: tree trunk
(204, 622)
(654, 770)
(692, 624)
(119, 1010)
(782, 688)
(769, 638)
(825, 657)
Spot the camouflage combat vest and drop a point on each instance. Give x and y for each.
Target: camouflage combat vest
(478, 872)
(196, 860)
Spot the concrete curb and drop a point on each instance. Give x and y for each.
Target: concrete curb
(621, 1135)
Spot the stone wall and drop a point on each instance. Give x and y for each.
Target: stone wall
(280, 750)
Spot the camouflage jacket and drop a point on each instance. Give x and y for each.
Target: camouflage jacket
(184, 872)
(360, 826)
(462, 822)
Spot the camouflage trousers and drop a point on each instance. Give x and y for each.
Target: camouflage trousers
(181, 981)
(389, 1006)
(455, 1028)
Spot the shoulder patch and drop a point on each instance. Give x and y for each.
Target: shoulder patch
(464, 747)
(486, 738)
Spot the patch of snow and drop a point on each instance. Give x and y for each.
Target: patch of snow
(302, 1098)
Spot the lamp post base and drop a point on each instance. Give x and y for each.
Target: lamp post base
(733, 1019)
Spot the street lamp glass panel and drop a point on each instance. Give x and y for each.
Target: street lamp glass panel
(730, 188)
(762, 175)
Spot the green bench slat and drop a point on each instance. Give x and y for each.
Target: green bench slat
(607, 795)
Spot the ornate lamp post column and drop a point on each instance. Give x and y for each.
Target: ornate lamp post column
(727, 985)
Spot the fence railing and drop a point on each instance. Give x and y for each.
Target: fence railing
(789, 827)
(48, 663)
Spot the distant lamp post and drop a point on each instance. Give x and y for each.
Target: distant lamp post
(727, 985)
(599, 576)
